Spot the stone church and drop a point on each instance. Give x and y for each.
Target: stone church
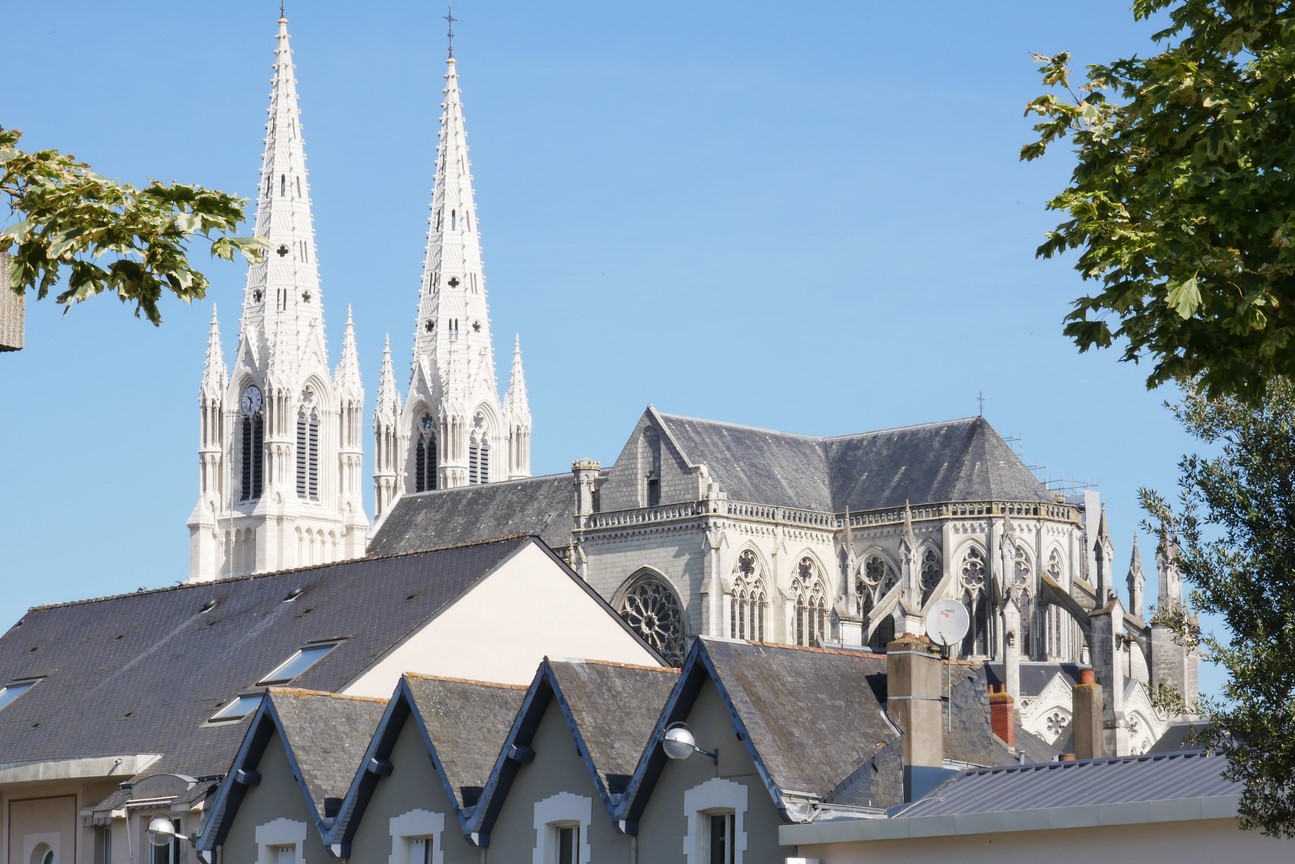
(699, 528)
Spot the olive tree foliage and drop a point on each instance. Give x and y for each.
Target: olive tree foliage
(1236, 526)
(84, 234)
(1182, 200)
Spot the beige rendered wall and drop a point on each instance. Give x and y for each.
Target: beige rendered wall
(558, 768)
(277, 796)
(413, 785)
(664, 823)
(1156, 843)
(36, 822)
(500, 630)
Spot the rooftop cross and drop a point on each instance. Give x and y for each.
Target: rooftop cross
(449, 17)
(981, 399)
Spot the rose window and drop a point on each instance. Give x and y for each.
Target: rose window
(654, 613)
(973, 571)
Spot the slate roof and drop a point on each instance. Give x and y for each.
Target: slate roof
(611, 709)
(1182, 736)
(326, 735)
(1126, 780)
(1036, 674)
(614, 706)
(788, 696)
(141, 673)
(467, 722)
(953, 460)
(543, 506)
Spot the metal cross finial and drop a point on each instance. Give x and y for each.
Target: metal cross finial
(281, 5)
(981, 399)
(449, 17)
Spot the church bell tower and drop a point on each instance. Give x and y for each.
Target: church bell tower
(280, 444)
(451, 429)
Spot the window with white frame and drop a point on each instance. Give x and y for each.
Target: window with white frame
(280, 842)
(716, 814)
(562, 829)
(416, 838)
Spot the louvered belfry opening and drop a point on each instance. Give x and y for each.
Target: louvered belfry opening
(308, 454)
(253, 435)
(425, 460)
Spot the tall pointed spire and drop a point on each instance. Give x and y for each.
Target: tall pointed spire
(1136, 580)
(516, 404)
(453, 430)
(281, 301)
(282, 449)
(452, 306)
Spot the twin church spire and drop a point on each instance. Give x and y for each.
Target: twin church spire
(280, 452)
(451, 428)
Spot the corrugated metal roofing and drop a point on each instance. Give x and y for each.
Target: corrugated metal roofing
(1126, 780)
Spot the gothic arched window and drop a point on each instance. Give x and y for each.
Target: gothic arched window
(976, 598)
(930, 576)
(479, 452)
(252, 433)
(652, 609)
(750, 601)
(875, 580)
(811, 603)
(425, 454)
(308, 448)
(1023, 583)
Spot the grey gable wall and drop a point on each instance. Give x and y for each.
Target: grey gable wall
(278, 796)
(412, 785)
(557, 768)
(664, 821)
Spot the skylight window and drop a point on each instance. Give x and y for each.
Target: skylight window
(295, 665)
(237, 709)
(12, 691)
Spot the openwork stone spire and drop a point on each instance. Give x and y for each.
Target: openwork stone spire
(452, 310)
(282, 301)
(281, 447)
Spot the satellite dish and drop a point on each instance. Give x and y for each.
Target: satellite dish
(947, 622)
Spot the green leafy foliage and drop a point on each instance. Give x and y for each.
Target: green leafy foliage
(87, 235)
(1237, 528)
(1182, 200)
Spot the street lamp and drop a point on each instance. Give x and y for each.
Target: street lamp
(679, 743)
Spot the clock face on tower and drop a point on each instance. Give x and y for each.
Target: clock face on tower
(251, 400)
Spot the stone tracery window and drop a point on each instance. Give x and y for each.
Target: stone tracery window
(308, 447)
(931, 575)
(479, 452)
(875, 580)
(750, 601)
(811, 603)
(975, 597)
(1024, 584)
(652, 609)
(425, 454)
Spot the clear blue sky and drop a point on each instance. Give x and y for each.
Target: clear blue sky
(807, 217)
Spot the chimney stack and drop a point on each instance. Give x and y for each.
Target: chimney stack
(1089, 740)
(1002, 714)
(913, 703)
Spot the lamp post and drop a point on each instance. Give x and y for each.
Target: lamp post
(679, 743)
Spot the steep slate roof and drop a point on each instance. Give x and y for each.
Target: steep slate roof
(544, 506)
(141, 673)
(324, 736)
(467, 722)
(788, 696)
(463, 725)
(611, 709)
(954, 460)
(1088, 782)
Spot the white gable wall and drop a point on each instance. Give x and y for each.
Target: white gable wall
(501, 629)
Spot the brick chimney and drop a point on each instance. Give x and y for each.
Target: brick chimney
(1002, 714)
(1089, 737)
(913, 703)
